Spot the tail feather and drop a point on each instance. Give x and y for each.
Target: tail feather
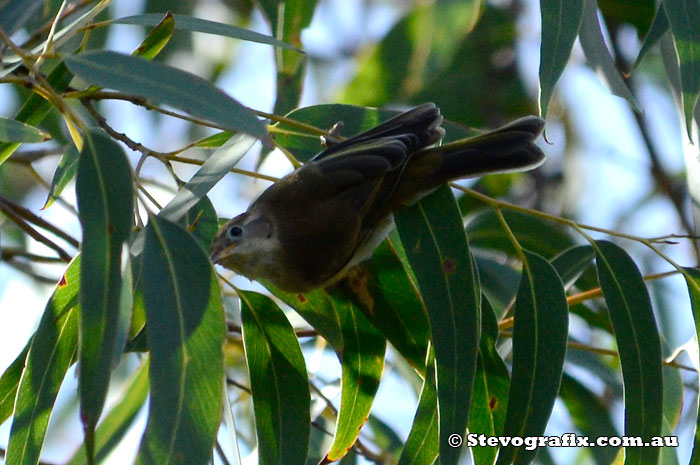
(507, 149)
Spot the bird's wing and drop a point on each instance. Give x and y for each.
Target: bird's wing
(422, 121)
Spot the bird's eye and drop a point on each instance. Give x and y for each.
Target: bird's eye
(235, 232)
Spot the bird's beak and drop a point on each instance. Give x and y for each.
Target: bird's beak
(218, 255)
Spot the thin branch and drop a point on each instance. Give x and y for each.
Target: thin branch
(102, 122)
(9, 253)
(234, 328)
(27, 269)
(25, 213)
(24, 226)
(614, 353)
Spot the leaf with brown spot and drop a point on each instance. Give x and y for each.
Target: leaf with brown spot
(490, 388)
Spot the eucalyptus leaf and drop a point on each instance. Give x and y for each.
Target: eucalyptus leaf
(278, 382)
(191, 23)
(104, 191)
(561, 20)
(167, 85)
(639, 346)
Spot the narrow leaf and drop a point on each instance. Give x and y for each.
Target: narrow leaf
(658, 28)
(117, 422)
(362, 363)
(186, 331)
(190, 23)
(384, 292)
(591, 417)
(65, 172)
(421, 446)
(15, 131)
(539, 347)
(639, 346)
(692, 279)
(485, 231)
(35, 108)
(52, 348)
(317, 309)
(211, 172)
(598, 56)
(278, 382)
(167, 85)
(157, 38)
(104, 195)
(560, 25)
(437, 248)
(572, 262)
(9, 382)
(490, 388)
(15, 13)
(201, 221)
(684, 17)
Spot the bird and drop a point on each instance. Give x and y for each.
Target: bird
(313, 225)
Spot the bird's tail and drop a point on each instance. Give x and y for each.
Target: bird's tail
(509, 148)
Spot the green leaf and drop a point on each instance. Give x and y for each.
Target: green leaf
(658, 28)
(278, 382)
(201, 221)
(437, 248)
(9, 382)
(190, 23)
(590, 415)
(35, 108)
(539, 346)
(572, 262)
(215, 140)
(117, 422)
(52, 348)
(104, 194)
(15, 131)
(684, 17)
(499, 281)
(65, 171)
(477, 72)
(157, 38)
(421, 446)
(598, 56)
(167, 85)
(15, 13)
(638, 344)
(317, 309)
(401, 64)
(186, 330)
(692, 279)
(638, 13)
(490, 388)
(561, 20)
(486, 231)
(211, 172)
(362, 363)
(382, 289)
(287, 22)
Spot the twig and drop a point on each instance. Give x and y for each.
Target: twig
(8, 253)
(26, 269)
(22, 212)
(234, 328)
(65, 256)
